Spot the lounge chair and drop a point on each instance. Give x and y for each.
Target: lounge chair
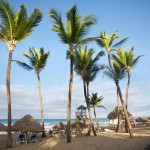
(33, 138)
(21, 139)
(50, 133)
(109, 131)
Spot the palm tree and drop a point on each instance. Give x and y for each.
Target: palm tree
(107, 42)
(71, 33)
(120, 74)
(94, 101)
(38, 60)
(15, 27)
(128, 61)
(87, 68)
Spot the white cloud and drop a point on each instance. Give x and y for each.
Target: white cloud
(25, 100)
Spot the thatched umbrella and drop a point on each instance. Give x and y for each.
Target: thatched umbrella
(114, 114)
(139, 119)
(27, 124)
(77, 125)
(2, 127)
(60, 126)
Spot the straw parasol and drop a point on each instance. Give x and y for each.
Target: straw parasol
(77, 125)
(60, 126)
(27, 124)
(2, 127)
(114, 114)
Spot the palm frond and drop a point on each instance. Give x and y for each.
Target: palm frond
(23, 65)
(120, 42)
(58, 25)
(28, 25)
(86, 40)
(7, 15)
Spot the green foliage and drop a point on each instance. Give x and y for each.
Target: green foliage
(17, 25)
(37, 60)
(119, 72)
(85, 65)
(106, 41)
(125, 59)
(94, 100)
(76, 27)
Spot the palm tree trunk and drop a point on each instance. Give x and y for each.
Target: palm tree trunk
(96, 119)
(121, 98)
(41, 105)
(127, 93)
(9, 140)
(70, 95)
(90, 114)
(118, 125)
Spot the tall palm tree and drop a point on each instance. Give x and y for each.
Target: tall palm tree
(128, 61)
(106, 41)
(120, 74)
(15, 27)
(37, 60)
(87, 68)
(72, 33)
(94, 101)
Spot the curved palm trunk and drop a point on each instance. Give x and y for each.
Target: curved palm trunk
(41, 105)
(9, 140)
(127, 94)
(121, 99)
(127, 89)
(70, 95)
(96, 119)
(118, 125)
(90, 114)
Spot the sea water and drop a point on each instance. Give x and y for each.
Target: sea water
(49, 123)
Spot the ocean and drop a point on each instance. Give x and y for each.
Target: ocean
(49, 123)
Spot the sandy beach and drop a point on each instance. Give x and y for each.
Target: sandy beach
(104, 141)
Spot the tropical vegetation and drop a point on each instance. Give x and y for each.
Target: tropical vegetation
(94, 101)
(15, 26)
(72, 33)
(87, 68)
(106, 41)
(37, 60)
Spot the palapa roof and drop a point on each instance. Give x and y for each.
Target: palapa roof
(27, 124)
(81, 107)
(60, 126)
(114, 113)
(78, 125)
(2, 127)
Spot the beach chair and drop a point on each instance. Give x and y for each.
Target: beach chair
(21, 139)
(109, 131)
(50, 133)
(33, 138)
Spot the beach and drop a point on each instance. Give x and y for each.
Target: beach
(103, 141)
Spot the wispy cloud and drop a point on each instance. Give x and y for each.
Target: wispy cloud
(25, 100)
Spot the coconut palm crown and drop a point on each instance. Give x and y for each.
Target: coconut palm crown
(16, 26)
(37, 59)
(74, 29)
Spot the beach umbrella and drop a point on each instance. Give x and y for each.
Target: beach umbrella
(2, 127)
(139, 120)
(59, 126)
(114, 114)
(77, 125)
(27, 124)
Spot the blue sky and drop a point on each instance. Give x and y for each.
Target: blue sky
(130, 18)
